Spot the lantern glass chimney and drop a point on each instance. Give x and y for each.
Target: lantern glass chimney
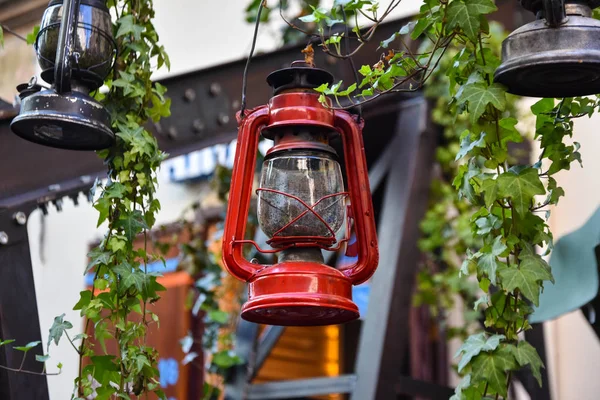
(309, 175)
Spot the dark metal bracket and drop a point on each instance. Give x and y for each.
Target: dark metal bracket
(18, 304)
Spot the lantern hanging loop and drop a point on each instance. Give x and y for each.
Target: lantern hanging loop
(555, 13)
(247, 66)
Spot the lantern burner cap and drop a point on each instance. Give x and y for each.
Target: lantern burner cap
(298, 77)
(71, 121)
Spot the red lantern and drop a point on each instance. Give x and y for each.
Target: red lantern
(302, 206)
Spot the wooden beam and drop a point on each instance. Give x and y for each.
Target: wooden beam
(384, 338)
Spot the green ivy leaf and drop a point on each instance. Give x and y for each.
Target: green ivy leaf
(84, 300)
(5, 342)
(127, 26)
(466, 390)
(130, 277)
(488, 260)
(57, 329)
(422, 25)
(467, 144)
(103, 207)
(27, 347)
(116, 244)
(482, 300)
(32, 36)
(462, 181)
(489, 188)
(385, 43)
(467, 15)
(474, 345)
(527, 277)
(526, 354)
(521, 187)
(115, 190)
(478, 96)
(98, 257)
(348, 91)
(468, 263)
(132, 224)
(491, 367)
(508, 131)
(487, 224)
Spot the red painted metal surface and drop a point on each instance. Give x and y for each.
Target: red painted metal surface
(296, 292)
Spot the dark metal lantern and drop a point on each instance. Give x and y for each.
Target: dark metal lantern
(76, 52)
(558, 55)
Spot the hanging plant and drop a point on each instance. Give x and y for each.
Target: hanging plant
(122, 285)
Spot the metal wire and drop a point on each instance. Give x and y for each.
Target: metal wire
(245, 77)
(347, 41)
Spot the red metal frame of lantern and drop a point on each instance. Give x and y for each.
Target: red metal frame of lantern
(300, 289)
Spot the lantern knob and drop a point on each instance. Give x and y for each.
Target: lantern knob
(297, 77)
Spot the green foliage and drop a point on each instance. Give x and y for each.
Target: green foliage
(467, 15)
(27, 347)
(57, 329)
(32, 36)
(479, 95)
(127, 205)
(474, 345)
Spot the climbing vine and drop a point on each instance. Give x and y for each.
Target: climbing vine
(122, 286)
(116, 309)
(501, 202)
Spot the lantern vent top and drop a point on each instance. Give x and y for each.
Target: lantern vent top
(297, 77)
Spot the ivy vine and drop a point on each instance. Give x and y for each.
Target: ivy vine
(122, 285)
(445, 228)
(500, 204)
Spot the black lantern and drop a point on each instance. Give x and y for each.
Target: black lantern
(76, 52)
(557, 55)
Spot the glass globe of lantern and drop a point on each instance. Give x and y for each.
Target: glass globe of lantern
(93, 42)
(294, 175)
(76, 51)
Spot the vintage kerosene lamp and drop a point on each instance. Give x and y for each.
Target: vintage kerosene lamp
(76, 52)
(557, 55)
(302, 206)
